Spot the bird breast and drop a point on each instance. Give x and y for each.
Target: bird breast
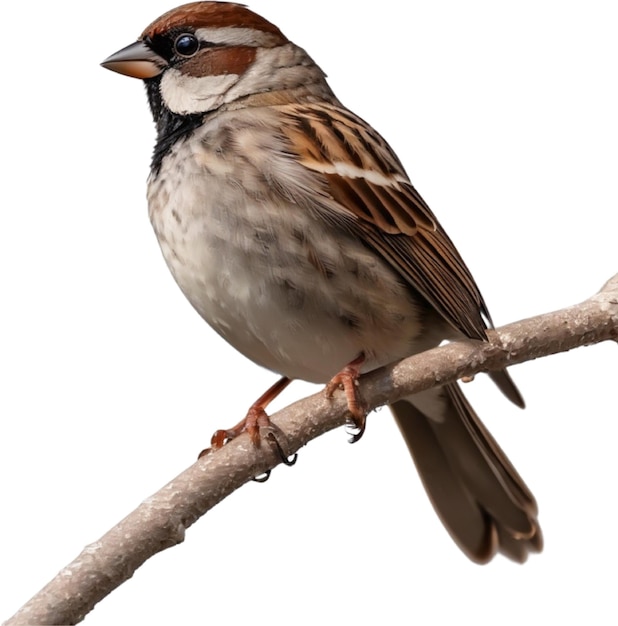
(286, 289)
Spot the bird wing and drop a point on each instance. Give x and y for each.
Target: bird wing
(360, 172)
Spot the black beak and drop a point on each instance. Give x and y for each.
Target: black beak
(136, 60)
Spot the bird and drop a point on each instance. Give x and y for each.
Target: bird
(293, 229)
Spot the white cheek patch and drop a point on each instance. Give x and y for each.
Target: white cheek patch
(194, 94)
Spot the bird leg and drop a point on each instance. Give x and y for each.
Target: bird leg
(255, 423)
(347, 379)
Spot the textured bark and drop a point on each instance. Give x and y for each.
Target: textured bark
(160, 521)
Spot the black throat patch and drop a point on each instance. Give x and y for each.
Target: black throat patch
(171, 127)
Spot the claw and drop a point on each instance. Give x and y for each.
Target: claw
(289, 461)
(355, 430)
(262, 478)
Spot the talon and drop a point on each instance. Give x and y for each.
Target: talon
(262, 478)
(353, 426)
(467, 379)
(289, 461)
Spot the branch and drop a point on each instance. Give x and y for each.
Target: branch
(160, 521)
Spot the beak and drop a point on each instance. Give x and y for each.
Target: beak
(136, 60)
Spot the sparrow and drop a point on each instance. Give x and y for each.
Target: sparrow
(293, 229)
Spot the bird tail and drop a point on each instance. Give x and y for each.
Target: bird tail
(479, 496)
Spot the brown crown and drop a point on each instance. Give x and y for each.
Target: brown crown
(211, 15)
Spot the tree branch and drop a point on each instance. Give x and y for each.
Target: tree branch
(160, 521)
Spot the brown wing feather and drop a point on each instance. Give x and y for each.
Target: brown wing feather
(363, 175)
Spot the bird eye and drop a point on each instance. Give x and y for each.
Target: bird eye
(186, 45)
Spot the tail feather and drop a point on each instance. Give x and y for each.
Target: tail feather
(506, 385)
(479, 496)
(494, 455)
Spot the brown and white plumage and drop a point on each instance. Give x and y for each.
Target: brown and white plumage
(293, 229)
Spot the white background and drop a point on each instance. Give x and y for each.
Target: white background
(505, 116)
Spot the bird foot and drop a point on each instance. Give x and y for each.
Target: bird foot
(258, 426)
(347, 379)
